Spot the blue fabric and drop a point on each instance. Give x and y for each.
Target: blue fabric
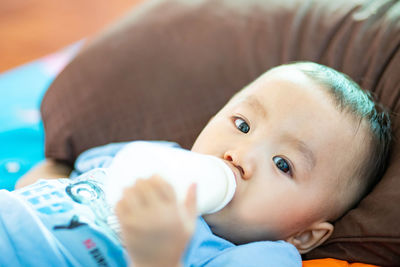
(207, 249)
(44, 224)
(18, 226)
(71, 230)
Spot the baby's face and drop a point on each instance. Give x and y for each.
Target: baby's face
(288, 145)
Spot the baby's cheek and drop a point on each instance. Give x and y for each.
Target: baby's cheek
(282, 217)
(256, 211)
(300, 217)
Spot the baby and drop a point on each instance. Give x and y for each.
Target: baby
(306, 144)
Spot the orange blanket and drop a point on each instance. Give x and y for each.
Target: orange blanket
(333, 263)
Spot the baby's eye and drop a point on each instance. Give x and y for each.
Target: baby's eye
(242, 125)
(282, 165)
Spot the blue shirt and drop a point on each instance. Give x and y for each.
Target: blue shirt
(66, 222)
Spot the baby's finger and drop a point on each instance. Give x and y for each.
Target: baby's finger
(151, 191)
(128, 201)
(191, 201)
(140, 192)
(164, 189)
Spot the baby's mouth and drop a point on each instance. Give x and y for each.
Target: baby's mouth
(235, 170)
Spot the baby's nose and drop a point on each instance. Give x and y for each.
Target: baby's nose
(235, 160)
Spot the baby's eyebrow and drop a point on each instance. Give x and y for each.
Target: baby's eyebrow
(256, 105)
(303, 148)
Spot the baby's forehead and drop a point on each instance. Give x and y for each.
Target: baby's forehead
(286, 79)
(282, 76)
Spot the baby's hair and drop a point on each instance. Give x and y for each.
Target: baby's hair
(349, 97)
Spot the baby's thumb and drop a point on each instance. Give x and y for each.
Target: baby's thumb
(191, 201)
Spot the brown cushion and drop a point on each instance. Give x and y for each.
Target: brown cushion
(166, 68)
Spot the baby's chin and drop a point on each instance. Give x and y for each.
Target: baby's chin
(236, 232)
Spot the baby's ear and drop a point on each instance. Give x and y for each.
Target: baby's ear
(312, 237)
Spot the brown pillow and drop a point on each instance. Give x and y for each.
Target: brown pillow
(166, 68)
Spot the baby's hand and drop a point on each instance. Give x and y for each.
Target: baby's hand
(155, 227)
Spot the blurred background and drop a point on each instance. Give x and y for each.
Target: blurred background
(30, 29)
(38, 38)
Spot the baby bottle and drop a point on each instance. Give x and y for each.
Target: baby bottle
(215, 180)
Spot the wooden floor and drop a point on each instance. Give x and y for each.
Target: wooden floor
(30, 29)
